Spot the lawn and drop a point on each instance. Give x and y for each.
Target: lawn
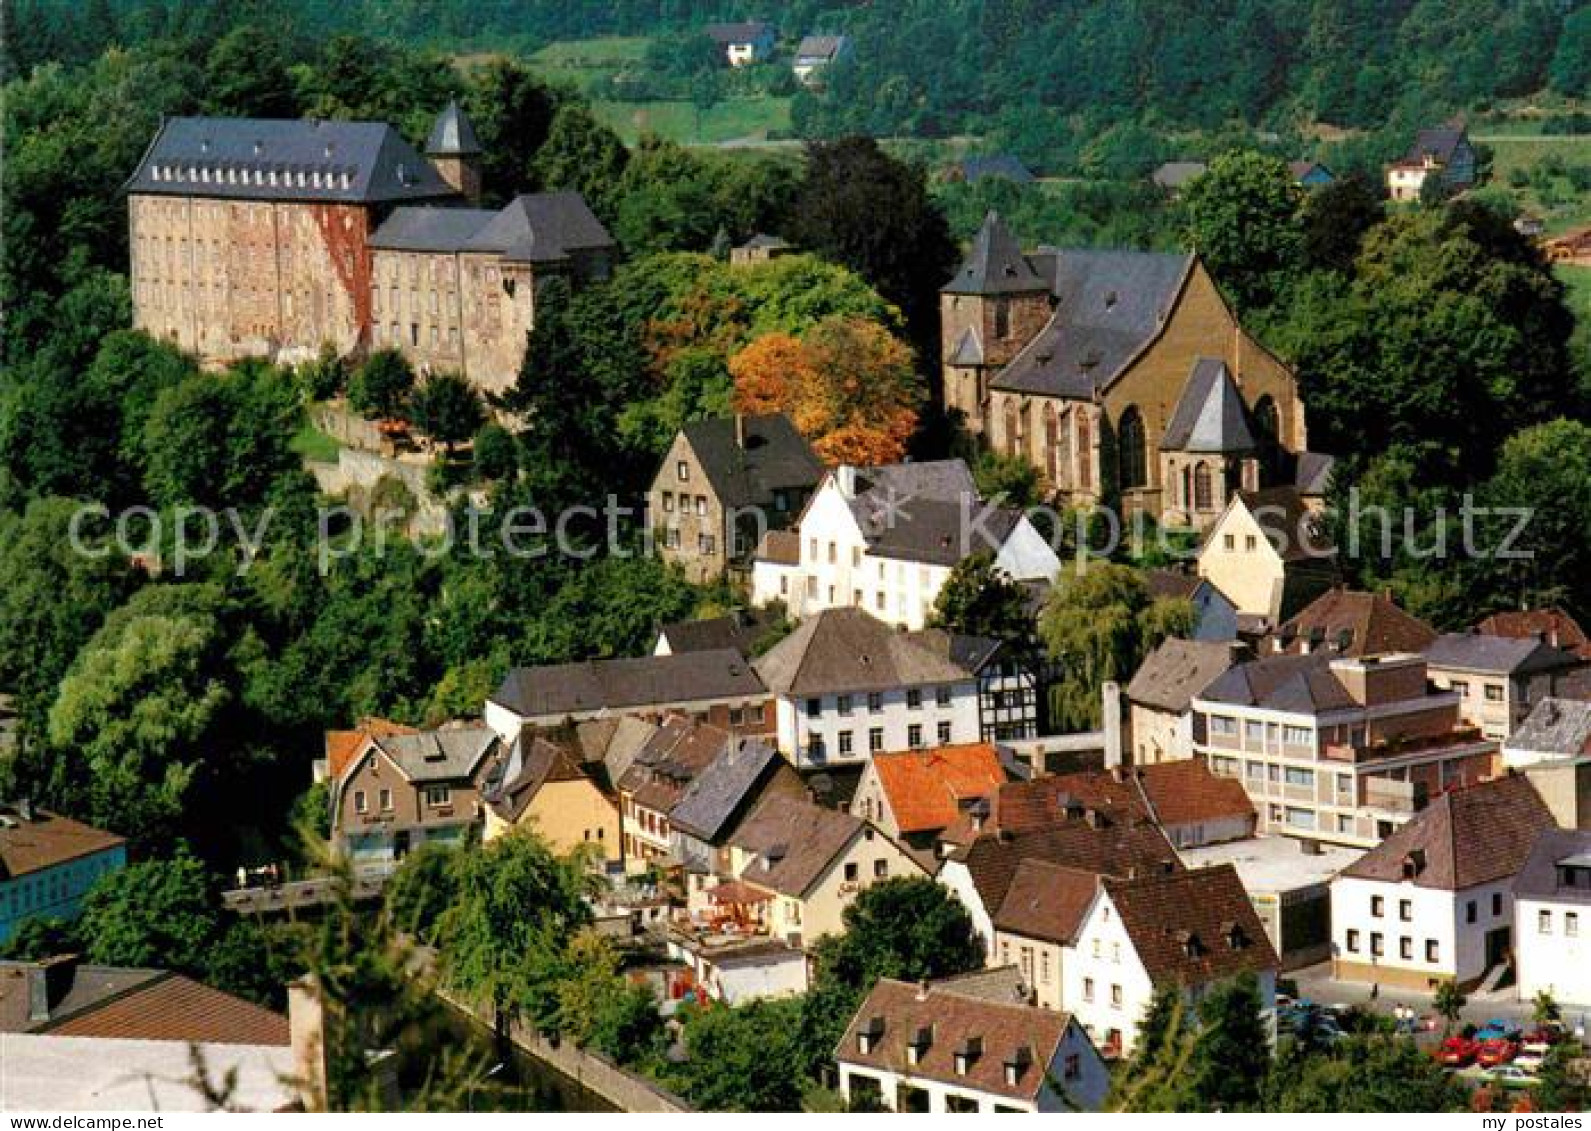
(580, 61)
(1578, 282)
(1564, 207)
(729, 120)
(314, 445)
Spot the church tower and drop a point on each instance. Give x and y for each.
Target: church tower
(454, 150)
(990, 309)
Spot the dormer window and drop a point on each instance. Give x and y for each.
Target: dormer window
(1236, 936)
(922, 1040)
(1192, 945)
(868, 1036)
(966, 1053)
(1016, 1064)
(1414, 863)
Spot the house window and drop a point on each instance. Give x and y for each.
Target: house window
(1406, 949)
(1497, 903)
(875, 702)
(815, 748)
(914, 698)
(386, 801)
(1250, 542)
(851, 872)
(1571, 923)
(845, 742)
(701, 506)
(361, 804)
(1431, 951)
(706, 544)
(1469, 912)
(875, 739)
(1073, 1066)
(1377, 906)
(814, 708)
(1300, 777)
(880, 869)
(1088, 989)
(1044, 966)
(1223, 725)
(1406, 909)
(1461, 687)
(668, 502)
(438, 795)
(1295, 736)
(944, 734)
(1353, 941)
(1229, 541)
(914, 736)
(942, 696)
(843, 704)
(683, 470)
(1544, 922)
(1494, 693)
(1377, 944)
(1203, 496)
(1115, 997)
(1133, 449)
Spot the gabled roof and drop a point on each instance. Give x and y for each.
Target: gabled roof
(1467, 836)
(1175, 672)
(848, 650)
(926, 789)
(1189, 793)
(1210, 416)
(774, 457)
(748, 31)
(1496, 655)
(534, 761)
(1175, 174)
(1539, 878)
(237, 158)
(1293, 530)
(1112, 848)
(969, 349)
(1554, 727)
(999, 165)
(970, 653)
(452, 134)
(44, 839)
(1303, 684)
(820, 48)
(678, 751)
(1437, 141)
(739, 630)
(1109, 306)
(541, 227)
(1348, 622)
(170, 1007)
(1046, 901)
(1193, 927)
(1312, 472)
(916, 512)
(1024, 1036)
(430, 229)
(793, 843)
(591, 686)
(994, 264)
(448, 754)
(723, 790)
(1554, 625)
(1169, 794)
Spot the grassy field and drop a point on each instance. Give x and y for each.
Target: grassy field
(729, 120)
(1563, 207)
(1578, 282)
(312, 444)
(580, 61)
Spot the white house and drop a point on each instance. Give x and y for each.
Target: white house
(1269, 554)
(1434, 901)
(815, 53)
(1186, 928)
(943, 1047)
(743, 43)
(846, 685)
(885, 539)
(1552, 903)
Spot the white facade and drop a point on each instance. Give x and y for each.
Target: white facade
(735, 978)
(1552, 950)
(842, 729)
(1402, 934)
(955, 875)
(836, 568)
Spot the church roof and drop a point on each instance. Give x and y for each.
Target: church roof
(969, 350)
(452, 135)
(1210, 417)
(995, 264)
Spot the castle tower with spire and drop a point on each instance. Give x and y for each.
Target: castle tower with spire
(455, 151)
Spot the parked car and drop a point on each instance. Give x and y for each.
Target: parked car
(1530, 1059)
(1494, 1051)
(1457, 1052)
(1497, 1028)
(1512, 1076)
(1548, 1035)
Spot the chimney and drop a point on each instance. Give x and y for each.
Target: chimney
(1112, 716)
(48, 981)
(845, 479)
(740, 430)
(922, 990)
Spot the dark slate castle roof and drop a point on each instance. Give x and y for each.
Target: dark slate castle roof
(1109, 306)
(995, 264)
(452, 135)
(774, 457)
(540, 227)
(287, 160)
(1210, 416)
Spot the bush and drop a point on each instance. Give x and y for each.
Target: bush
(496, 453)
(381, 387)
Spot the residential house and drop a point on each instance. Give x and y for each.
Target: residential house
(1118, 375)
(716, 686)
(1552, 899)
(939, 1047)
(1434, 901)
(1269, 553)
(398, 791)
(733, 969)
(816, 53)
(979, 873)
(657, 777)
(1214, 613)
(1553, 625)
(846, 686)
(1498, 678)
(740, 629)
(1552, 748)
(993, 166)
(724, 483)
(1347, 622)
(1189, 929)
(1444, 152)
(1009, 684)
(760, 248)
(1038, 921)
(543, 787)
(913, 795)
(1160, 697)
(811, 863)
(723, 794)
(48, 863)
(81, 1037)
(885, 539)
(1289, 883)
(744, 43)
(1335, 748)
(1310, 174)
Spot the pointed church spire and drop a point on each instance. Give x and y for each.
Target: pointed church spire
(452, 134)
(995, 264)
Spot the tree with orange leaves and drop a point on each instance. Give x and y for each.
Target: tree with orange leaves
(766, 371)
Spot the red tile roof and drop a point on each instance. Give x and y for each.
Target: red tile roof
(1346, 622)
(1556, 626)
(174, 1008)
(31, 845)
(926, 789)
(343, 745)
(1193, 927)
(1046, 901)
(1172, 793)
(1108, 849)
(1187, 793)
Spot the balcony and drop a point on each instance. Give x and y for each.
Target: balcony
(1433, 746)
(1394, 796)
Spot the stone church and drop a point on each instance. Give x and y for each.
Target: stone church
(278, 238)
(1121, 376)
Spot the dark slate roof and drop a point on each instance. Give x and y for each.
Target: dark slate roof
(533, 762)
(647, 681)
(1499, 655)
(764, 240)
(739, 630)
(356, 162)
(748, 31)
(1175, 672)
(775, 457)
(710, 803)
(969, 349)
(971, 653)
(913, 512)
(1109, 306)
(998, 165)
(1472, 835)
(1538, 879)
(1210, 416)
(430, 229)
(1560, 727)
(995, 264)
(815, 48)
(542, 227)
(452, 135)
(439, 755)
(1313, 472)
(848, 650)
(670, 760)
(1303, 684)
(1438, 141)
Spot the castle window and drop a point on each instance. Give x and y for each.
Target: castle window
(1201, 488)
(1132, 456)
(1002, 317)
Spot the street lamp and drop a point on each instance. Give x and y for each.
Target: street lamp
(469, 1093)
